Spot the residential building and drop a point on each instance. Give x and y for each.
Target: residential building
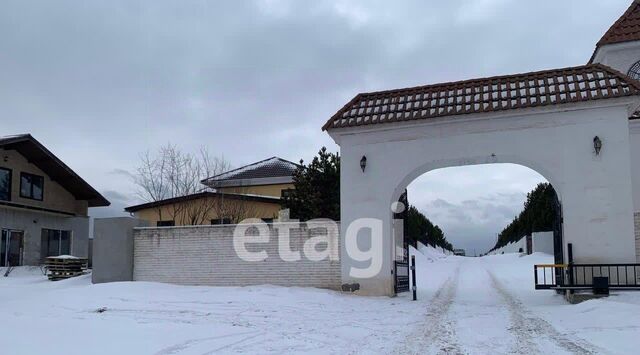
(251, 191)
(43, 204)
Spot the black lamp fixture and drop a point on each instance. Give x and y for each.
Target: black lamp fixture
(363, 163)
(597, 144)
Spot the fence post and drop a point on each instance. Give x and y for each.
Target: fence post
(570, 255)
(413, 276)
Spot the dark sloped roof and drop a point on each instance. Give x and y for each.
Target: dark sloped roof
(273, 167)
(500, 93)
(58, 171)
(626, 28)
(169, 201)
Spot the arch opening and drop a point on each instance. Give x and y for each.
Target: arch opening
(473, 204)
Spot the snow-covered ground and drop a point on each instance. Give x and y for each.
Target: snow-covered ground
(466, 305)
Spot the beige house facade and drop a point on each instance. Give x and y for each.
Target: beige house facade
(251, 191)
(43, 204)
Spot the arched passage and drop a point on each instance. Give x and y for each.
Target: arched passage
(558, 145)
(432, 166)
(472, 204)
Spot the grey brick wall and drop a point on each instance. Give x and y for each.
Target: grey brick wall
(205, 255)
(636, 222)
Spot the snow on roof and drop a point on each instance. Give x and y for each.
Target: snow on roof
(268, 168)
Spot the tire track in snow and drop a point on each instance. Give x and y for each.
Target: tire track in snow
(185, 345)
(529, 329)
(437, 331)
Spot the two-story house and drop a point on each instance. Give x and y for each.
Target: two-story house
(43, 204)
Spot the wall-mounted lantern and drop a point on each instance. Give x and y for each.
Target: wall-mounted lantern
(597, 144)
(363, 163)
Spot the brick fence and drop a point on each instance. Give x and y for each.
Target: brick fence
(205, 255)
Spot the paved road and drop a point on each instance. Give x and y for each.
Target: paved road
(474, 313)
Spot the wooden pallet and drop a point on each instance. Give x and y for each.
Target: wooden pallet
(64, 268)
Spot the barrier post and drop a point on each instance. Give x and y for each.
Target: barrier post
(413, 276)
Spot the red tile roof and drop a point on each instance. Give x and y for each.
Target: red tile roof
(500, 93)
(626, 28)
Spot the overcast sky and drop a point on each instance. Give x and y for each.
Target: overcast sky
(100, 82)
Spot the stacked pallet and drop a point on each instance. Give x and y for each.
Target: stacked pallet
(65, 266)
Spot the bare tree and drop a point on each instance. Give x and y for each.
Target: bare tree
(172, 173)
(234, 207)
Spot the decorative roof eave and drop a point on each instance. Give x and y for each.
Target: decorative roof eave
(473, 122)
(200, 195)
(593, 82)
(57, 170)
(250, 182)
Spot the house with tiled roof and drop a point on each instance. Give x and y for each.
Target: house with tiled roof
(250, 191)
(269, 177)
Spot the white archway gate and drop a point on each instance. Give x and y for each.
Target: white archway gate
(546, 121)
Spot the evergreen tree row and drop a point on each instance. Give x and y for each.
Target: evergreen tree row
(420, 229)
(538, 215)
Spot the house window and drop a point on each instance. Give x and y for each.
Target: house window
(31, 186)
(221, 221)
(5, 184)
(165, 223)
(55, 242)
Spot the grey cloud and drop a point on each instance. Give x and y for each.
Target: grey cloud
(473, 224)
(122, 172)
(100, 82)
(115, 196)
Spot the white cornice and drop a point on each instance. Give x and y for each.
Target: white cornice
(631, 102)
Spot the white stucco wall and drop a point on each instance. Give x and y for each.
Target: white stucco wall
(595, 190)
(542, 242)
(634, 140)
(622, 56)
(510, 248)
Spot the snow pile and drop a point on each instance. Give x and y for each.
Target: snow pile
(63, 257)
